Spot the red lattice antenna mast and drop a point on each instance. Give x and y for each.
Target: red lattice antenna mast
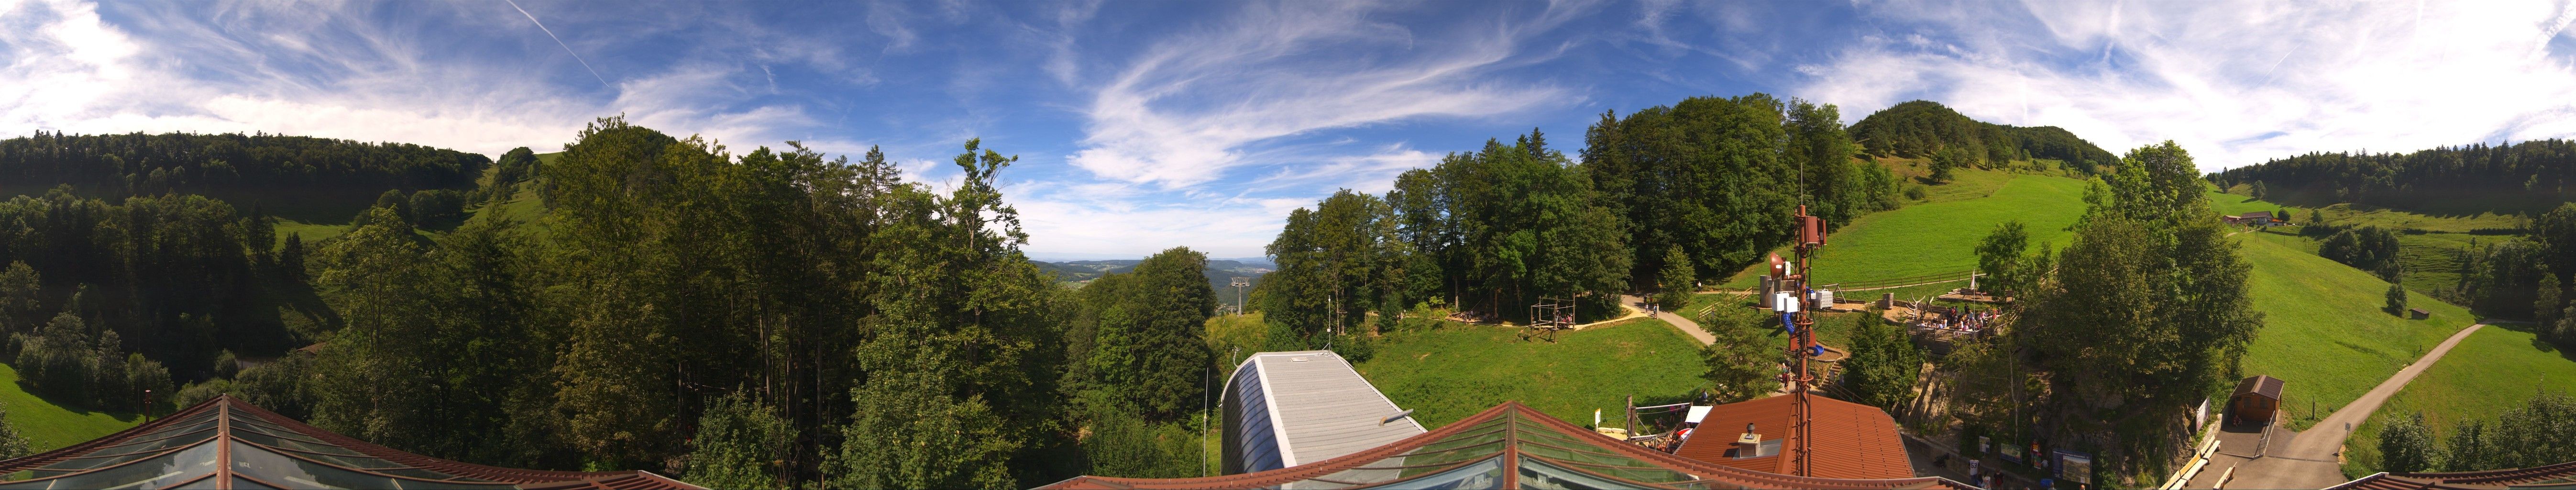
(1802, 344)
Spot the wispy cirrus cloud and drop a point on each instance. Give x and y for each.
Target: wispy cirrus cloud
(1208, 136)
(1192, 106)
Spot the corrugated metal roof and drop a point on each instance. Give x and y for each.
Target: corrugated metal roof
(1323, 409)
(1851, 440)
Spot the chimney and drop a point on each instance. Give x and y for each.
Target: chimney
(1748, 444)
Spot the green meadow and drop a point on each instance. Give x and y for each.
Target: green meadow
(2495, 369)
(2323, 331)
(1940, 237)
(48, 426)
(1448, 371)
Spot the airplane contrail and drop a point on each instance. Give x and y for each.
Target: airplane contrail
(550, 33)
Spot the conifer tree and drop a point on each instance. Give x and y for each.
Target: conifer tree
(2396, 299)
(1677, 281)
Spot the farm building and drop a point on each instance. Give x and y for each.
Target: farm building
(2257, 218)
(227, 443)
(1285, 409)
(2255, 401)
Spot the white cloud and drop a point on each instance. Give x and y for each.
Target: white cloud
(318, 70)
(1191, 107)
(2235, 83)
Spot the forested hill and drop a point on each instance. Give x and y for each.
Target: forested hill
(2530, 176)
(1921, 128)
(240, 168)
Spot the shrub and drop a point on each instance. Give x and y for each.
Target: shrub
(2405, 446)
(227, 366)
(1123, 444)
(1914, 192)
(196, 393)
(738, 442)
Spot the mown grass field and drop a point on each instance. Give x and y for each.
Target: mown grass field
(1941, 237)
(1454, 370)
(2323, 331)
(48, 426)
(2495, 369)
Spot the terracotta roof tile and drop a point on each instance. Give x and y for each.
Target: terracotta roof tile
(1851, 440)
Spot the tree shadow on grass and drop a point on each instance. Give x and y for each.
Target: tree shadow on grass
(74, 408)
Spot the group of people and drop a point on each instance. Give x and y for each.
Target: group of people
(1971, 321)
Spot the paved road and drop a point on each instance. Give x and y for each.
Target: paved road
(2307, 460)
(1687, 326)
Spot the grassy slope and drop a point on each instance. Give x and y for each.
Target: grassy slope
(1456, 370)
(49, 426)
(1941, 236)
(2358, 214)
(2235, 204)
(2323, 332)
(2493, 370)
(2425, 249)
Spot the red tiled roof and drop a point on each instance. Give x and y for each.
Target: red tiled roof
(1851, 440)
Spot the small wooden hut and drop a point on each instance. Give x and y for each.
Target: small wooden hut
(2256, 400)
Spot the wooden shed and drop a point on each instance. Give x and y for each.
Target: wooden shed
(2417, 313)
(2256, 399)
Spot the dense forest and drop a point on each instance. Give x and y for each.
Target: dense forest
(751, 320)
(1925, 129)
(2527, 177)
(294, 175)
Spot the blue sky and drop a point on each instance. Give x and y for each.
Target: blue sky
(1146, 125)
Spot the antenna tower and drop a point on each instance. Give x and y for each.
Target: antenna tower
(1795, 291)
(1239, 282)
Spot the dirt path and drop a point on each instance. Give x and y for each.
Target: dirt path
(2307, 460)
(1687, 326)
